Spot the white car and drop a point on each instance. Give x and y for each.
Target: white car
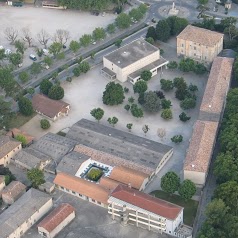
(8, 52)
(45, 52)
(94, 43)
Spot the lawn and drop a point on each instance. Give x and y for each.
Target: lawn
(19, 120)
(190, 206)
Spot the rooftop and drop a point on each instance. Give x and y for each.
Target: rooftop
(20, 211)
(217, 85)
(200, 35)
(14, 132)
(108, 183)
(201, 146)
(7, 144)
(83, 187)
(130, 53)
(47, 106)
(56, 217)
(132, 148)
(14, 189)
(146, 202)
(2, 179)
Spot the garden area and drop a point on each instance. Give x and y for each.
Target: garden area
(94, 174)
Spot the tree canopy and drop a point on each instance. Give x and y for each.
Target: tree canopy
(56, 92)
(163, 30)
(97, 113)
(25, 106)
(123, 21)
(36, 176)
(151, 102)
(170, 182)
(187, 189)
(44, 124)
(45, 86)
(140, 86)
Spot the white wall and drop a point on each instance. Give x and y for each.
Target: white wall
(199, 178)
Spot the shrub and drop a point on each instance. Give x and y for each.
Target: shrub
(160, 94)
(56, 92)
(24, 76)
(183, 117)
(166, 104)
(177, 139)
(94, 174)
(167, 114)
(126, 90)
(188, 103)
(172, 65)
(44, 124)
(127, 107)
(166, 85)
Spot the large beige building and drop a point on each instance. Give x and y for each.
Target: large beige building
(129, 61)
(199, 44)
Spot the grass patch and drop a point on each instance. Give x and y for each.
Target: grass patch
(94, 174)
(190, 206)
(19, 120)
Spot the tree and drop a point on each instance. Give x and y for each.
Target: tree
(200, 69)
(136, 111)
(43, 37)
(27, 36)
(150, 40)
(127, 107)
(131, 100)
(112, 121)
(35, 68)
(177, 24)
(141, 99)
(187, 189)
(177, 139)
(84, 67)
(188, 103)
(55, 48)
(20, 46)
(193, 88)
(126, 90)
(36, 176)
(25, 106)
(2, 54)
(166, 85)
(113, 94)
(56, 92)
(167, 114)
(39, 52)
(160, 94)
(99, 34)
(97, 113)
(61, 36)
(142, 8)
(203, 2)
(31, 91)
(118, 43)
(24, 76)
(187, 65)
(60, 56)
(111, 28)
(76, 71)
(44, 124)
(146, 75)
(15, 58)
(172, 65)
(123, 21)
(166, 104)
(129, 126)
(7, 81)
(11, 34)
(151, 33)
(152, 102)
(85, 40)
(45, 86)
(7, 174)
(163, 30)
(183, 117)
(74, 46)
(136, 14)
(170, 182)
(145, 129)
(22, 139)
(48, 60)
(140, 86)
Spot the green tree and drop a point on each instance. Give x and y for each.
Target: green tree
(7, 174)
(151, 33)
(183, 117)
(15, 58)
(203, 2)
(99, 34)
(166, 104)
(152, 102)
(44, 124)
(45, 86)
(84, 67)
(167, 114)
(36, 176)
(55, 48)
(163, 30)
(7, 81)
(129, 126)
(142, 8)
(140, 86)
(5, 113)
(187, 189)
(24, 76)
(160, 94)
(145, 129)
(177, 24)
(126, 90)
(187, 65)
(39, 52)
(193, 88)
(136, 111)
(48, 60)
(123, 21)
(35, 68)
(31, 91)
(111, 28)
(74, 46)
(2, 54)
(136, 14)
(188, 103)
(131, 100)
(97, 113)
(177, 139)
(85, 40)
(76, 71)
(146, 75)
(56, 92)
(127, 107)
(200, 69)
(166, 85)
(170, 182)
(60, 56)
(113, 94)
(118, 43)
(112, 121)
(25, 106)
(172, 65)
(20, 46)
(22, 139)
(150, 40)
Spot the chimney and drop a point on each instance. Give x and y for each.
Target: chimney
(129, 185)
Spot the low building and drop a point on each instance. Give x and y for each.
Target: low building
(2, 183)
(15, 132)
(199, 154)
(218, 84)
(51, 109)
(12, 192)
(8, 148)
(81, 188)
(24, 213)
(131, 206)
(53, 223)
(199, 44)
(47, 187)
(130, 60)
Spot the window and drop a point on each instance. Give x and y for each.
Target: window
(182, 45)
(73, 192)
(99, 203)
(93, 200)
(62, 187)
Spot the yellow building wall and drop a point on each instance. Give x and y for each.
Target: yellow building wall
(199, 178)
(7, 158)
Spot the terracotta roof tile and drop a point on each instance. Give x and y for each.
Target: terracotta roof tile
(108, 183)
(201, 146)
(200, 36)
(147, 202)
(56, 217)
(128, 176)
(81, 186)
(14, 132)
(47, 106)
(7, 145)
(14, 189)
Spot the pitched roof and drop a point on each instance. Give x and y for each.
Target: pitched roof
(217, 85)
(14, 189)
(200, 35)
(47, 106)
(7, 145)
(83, 187)
(201, 146)
(56, 217)
(14, 132)
(146, 202)
(128, 176)
(108, 183)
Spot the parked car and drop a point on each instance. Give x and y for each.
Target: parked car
(64, 46)
(45, 52)
(8, 52)
(94, 42)
(32, 57)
